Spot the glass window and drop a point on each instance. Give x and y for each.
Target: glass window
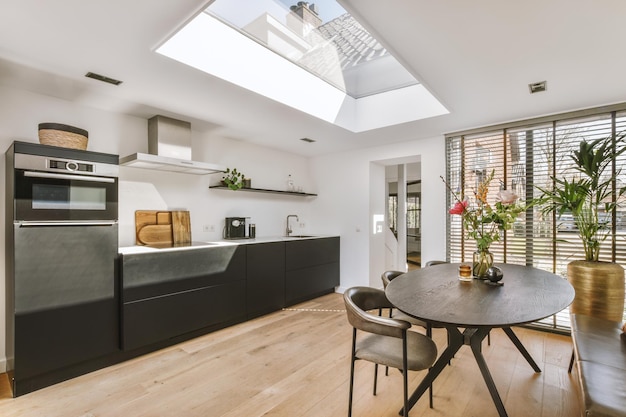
(322, 38)
(525, 156)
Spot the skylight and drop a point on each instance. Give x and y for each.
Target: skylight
(332, 46)
(314, 57)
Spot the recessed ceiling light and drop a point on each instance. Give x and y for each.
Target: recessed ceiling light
(538, 87)
(103, 78)
(307, 140)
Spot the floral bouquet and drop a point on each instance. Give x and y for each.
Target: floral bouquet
(483, 222)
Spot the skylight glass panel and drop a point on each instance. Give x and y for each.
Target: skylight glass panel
(321, 38)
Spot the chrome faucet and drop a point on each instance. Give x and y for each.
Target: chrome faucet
(288, 226)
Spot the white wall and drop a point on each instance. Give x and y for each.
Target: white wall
(378, 224)
(353, 185)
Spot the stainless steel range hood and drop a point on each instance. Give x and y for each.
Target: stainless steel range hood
(169, 147)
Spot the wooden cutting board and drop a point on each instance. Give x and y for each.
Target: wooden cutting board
(181, 227)
(155, 234)
(159, 227)
(144, 218)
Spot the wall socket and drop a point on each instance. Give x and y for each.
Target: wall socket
(208, 228)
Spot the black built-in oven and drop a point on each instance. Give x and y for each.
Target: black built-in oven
(61, 189)
(62, 229)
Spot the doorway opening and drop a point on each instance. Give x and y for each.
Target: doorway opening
(406, 204)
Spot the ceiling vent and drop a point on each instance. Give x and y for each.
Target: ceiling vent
(538, 87)
(102, 78)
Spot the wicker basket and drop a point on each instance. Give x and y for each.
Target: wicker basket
(65, 136)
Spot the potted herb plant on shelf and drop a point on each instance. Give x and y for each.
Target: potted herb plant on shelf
(233, 179)
(591, 195)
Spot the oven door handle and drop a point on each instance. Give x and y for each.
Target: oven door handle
(26, 223)
(35, 174)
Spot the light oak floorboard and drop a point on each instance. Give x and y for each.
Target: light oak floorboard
(296, 363)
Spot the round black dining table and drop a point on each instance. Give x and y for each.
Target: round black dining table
(469, 310)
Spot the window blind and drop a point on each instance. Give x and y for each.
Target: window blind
(525, 156)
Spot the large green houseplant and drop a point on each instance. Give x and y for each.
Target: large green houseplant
(592, 195)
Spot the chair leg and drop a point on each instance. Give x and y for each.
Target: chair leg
(571, 363)
(430, 396)
(352, 373)
(375, 376)
(429, 333)
(489, 339)
(386, 367)
(405, 375)
(448, 338)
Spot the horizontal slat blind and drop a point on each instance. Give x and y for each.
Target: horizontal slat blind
(530, 241)
(524, 158)
(620, 215)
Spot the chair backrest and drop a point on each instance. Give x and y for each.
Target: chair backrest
(431, 263)
(387, 276)
(358, 300)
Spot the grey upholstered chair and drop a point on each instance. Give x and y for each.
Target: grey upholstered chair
(434, 262)
(387, 277)
(387, 341)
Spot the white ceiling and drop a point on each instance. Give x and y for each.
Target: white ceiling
(476, 57)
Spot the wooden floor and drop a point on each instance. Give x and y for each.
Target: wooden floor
(296, 363)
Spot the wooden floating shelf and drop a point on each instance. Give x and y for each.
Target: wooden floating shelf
(263, 190)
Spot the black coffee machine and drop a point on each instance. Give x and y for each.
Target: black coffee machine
(236, 228)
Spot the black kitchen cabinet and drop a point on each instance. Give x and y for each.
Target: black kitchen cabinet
(312, 268)
(265, 278)
(172, 293)
(57, 344)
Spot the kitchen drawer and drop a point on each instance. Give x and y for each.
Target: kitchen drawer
(160, 318)
(306, 283)
(311, 252)
(156, 274)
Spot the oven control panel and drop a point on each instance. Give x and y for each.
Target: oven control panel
(70, 166)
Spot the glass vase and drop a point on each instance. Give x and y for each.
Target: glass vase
(483, 260)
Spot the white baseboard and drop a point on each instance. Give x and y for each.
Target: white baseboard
(3, 365)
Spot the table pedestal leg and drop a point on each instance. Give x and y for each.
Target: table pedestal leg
(474, 338)
(476, 341)
(521, 348)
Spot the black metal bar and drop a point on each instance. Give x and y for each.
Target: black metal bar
(375, 377)
(521, 348)
(405, 374)
(455, 342)
(476, 344)
(353, 358)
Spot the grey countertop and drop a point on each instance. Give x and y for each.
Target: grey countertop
(125, 250)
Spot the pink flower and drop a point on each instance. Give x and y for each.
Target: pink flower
(507, 197)
(459, 207)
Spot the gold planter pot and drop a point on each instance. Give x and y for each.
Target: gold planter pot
(599, 289)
